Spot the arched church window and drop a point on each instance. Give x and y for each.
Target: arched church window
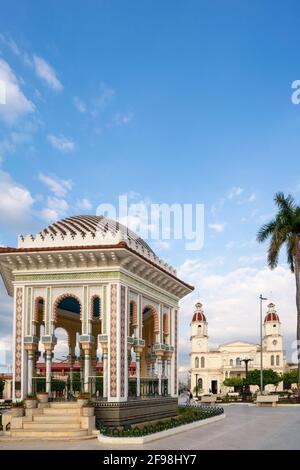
(238, 361)
(197, 362)
(202, 361)
(277, 360)
(200, 383)
(231, 362)
(272, 360)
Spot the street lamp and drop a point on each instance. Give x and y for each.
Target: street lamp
(196, 385)
(247, 388)
(261, 298)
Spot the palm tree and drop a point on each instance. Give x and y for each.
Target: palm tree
(284, 229)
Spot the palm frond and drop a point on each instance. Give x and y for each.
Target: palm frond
(278, 239)
(266, 231)
(285, 203)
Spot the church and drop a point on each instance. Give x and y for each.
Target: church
(209, 367)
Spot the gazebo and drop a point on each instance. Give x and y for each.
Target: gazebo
(116, 300)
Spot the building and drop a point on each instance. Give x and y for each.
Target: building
(210, 367)
(113, 296)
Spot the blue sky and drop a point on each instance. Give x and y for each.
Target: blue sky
(171, 102)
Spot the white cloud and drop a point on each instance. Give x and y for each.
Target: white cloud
(252, 197)
(84, 204)
(15, 202)
(55, 210)
(231, 301)
(6, 146)
(47, 73)
(105, 97)
(217, 227)
(79, 104)
(121, 119)
(16, 104)
(8, 42)
(59, 187)
(49, 215)
(161, 245)
(230, 245)
(61, 143)
(215, 208)
(234, 192)
(252, 259)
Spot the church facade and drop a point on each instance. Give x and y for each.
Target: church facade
(210, 367)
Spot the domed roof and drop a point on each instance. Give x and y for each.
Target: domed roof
(271, 314)
(83, 230)
(198, 314)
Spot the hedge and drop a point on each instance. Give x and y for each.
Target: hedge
(185, 416)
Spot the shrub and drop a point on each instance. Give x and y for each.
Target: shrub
(185, 416)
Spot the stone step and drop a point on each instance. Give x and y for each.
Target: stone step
(63, 404)
(51, 426)
(62, 411)
(56, 419)
(66, 433)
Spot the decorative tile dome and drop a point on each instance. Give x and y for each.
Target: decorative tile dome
(198, 314)
(90, 231)
(83, 230)
(271, 315)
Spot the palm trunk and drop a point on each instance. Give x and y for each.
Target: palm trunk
(297, 276)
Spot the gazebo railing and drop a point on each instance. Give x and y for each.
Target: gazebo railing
(149, 387)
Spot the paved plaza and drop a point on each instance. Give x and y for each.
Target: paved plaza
(245, 427)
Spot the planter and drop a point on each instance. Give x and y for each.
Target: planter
(30, 403)
(82, 401)
(88, 411)
(17, 411)
(42, 397)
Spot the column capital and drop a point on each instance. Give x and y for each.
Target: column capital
(86, 339)
(103, 341)
(49, 342)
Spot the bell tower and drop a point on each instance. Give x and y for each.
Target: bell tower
(272, 330)
(199, 326)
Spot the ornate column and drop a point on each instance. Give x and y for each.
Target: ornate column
(48, 370)
(49, 343)
(102, 342)
(71, 359)
(94, 374)
(168, 356)
(159, 371)
(31, 345)
(138, 351)
(87, 348)
(105, 372)
(81, 362)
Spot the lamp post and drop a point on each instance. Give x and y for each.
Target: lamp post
(247, 388)
(261, 298)
(196, 385)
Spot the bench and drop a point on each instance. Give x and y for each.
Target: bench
(209, 399)
(267, 400)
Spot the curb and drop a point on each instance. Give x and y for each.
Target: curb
(158, 435)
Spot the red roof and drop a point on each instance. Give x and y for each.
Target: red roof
(272, 316)
(199, 316)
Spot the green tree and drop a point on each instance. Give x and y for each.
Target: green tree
(284, 230)
(236, 382)
(290, 377)
(2, 385)
(270, 376)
